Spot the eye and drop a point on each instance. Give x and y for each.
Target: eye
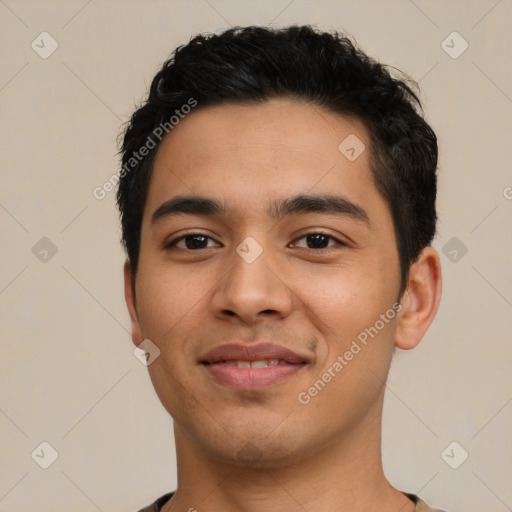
(318, 241)
(196, 241)
(191, 241)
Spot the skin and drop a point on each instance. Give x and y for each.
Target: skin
(324, 455)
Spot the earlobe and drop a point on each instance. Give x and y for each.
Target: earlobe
(131, 304)
(420, 300)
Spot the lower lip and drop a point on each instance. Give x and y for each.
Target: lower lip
(251, 378)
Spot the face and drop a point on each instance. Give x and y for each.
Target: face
(307, 285)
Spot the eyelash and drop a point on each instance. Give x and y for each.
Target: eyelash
(173, 242)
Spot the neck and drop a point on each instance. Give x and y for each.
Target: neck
(345, 474)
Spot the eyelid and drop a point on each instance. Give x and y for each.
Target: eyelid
(318, 231)
(175, 240)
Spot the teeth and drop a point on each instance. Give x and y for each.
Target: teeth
(254, 364)
(259, 364)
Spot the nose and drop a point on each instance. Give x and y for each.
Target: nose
(251, 291)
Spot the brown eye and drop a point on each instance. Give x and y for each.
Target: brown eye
(318, 241)
(191, 242)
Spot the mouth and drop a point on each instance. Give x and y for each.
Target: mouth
(252, 366)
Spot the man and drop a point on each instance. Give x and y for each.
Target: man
(277, 199)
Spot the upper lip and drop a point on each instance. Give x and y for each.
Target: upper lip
(259, 352)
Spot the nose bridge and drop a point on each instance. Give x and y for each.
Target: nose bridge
(251, 286)
(250, 270)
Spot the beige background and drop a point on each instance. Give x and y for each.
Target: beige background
(68, 374)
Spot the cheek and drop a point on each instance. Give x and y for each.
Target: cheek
(358, 343)
(347, 306)
(171, 306)
(348, 299)
(169, 299)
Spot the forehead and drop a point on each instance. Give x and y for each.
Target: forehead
(250, 155)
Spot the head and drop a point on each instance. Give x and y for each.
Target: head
(285, 138)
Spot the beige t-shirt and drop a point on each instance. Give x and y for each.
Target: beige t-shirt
(421, 506)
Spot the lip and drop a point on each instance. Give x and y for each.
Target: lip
(216, 363)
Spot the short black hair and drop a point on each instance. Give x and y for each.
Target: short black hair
(254, 64)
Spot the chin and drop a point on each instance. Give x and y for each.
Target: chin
(254, 455)
(255, 449)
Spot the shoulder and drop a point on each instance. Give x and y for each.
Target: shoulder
(157, 505)
(421, 506)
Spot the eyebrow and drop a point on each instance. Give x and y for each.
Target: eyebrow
(301, 204)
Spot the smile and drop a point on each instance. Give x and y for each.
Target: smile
(242, 374)
(252, 366)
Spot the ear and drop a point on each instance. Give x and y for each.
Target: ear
(420, 300)
(129, 297)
